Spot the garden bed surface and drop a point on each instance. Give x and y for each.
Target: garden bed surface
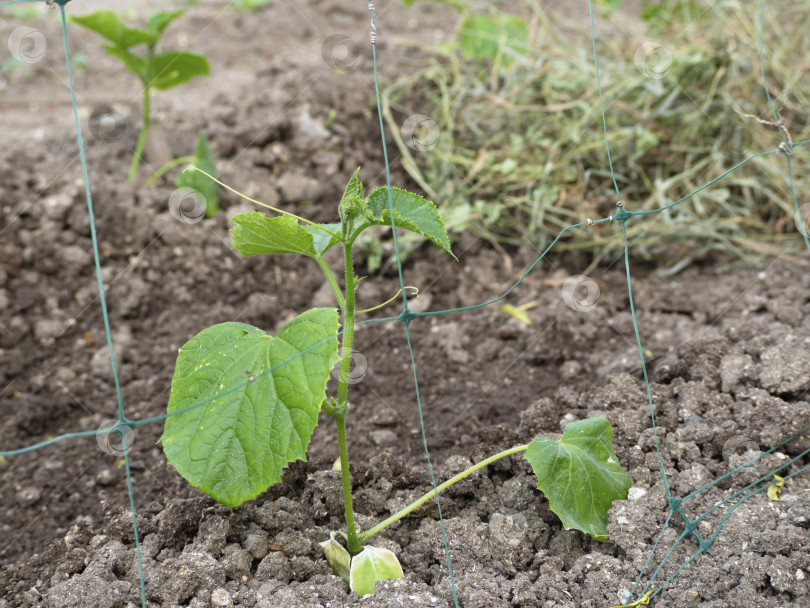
(729, 362)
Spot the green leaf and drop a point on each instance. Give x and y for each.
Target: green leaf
(373, 564)
(352, 202)
(517, 313)
(159, 21)
(172, 68)
(135, 63)
(323, 241)
(337, 557)
(109, 25)
(199, 181)
(411, 212)
(236, 446)
(580, 475)
(254, 233)
(485, 37)
(251, 4)
(610, 5)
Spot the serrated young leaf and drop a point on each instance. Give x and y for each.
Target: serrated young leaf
(373, 564)
(172, 68)
(237, 445)
(254, 233)
(580, 475)
(411, 211)
(352, 203)
(199, 181)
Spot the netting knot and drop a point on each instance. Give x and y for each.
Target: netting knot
(406, 315)
(621, 215)
(589, 221)
(706, 545)
(373, 27)
(786, 147)
(690, 525)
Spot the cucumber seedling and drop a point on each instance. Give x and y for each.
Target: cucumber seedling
(155, 70)
(244, 404)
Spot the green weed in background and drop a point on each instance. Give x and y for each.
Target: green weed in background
(198, 181)
(519, 154)
(251, 4)
(239, 4)
(156, 70)
(244, 404)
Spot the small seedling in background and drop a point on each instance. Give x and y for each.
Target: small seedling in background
(155, 70)
(497, 37)
(199, 181)
(244, 404)
(251, 4)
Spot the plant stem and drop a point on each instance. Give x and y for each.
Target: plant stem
(136, 159)
(348, 327)
(333, 284)
(181, 160)
(354, 544)
(419, 502)
(353, 541)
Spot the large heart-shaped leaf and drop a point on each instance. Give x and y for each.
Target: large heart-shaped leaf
(235, 446)
(580, 475)
(254, 233)
(411, 212)
(322, 240)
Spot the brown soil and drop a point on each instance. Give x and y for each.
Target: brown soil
(730, 359)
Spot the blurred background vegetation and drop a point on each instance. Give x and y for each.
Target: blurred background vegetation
(510, 143)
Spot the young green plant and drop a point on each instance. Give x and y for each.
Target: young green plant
(156, 70)
(198, 181)
(244, 404)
